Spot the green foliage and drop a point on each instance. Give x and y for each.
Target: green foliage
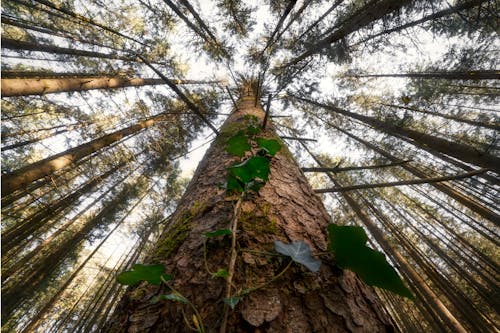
(348, 245)
(150, 273)
(220, 232)
(252, 168)
(272, 146)
(221, 272)
(299, 252)
(238, 145)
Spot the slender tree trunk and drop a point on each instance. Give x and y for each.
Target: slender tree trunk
(12, 44)
(452, 75)
(23, 176)
(456, 195)
(449, 11)
(366, 15)
(284, 209)
(493, 126)
(42, 86)
(460, 151)
(401, 183)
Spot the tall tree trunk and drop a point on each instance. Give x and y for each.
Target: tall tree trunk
(23, 176)
(443, 13)
(13, 44)
(493, 126)
(285, 209)
(451, 75)
(460, 151)
(42, 86)
(450, 191)
(373, 11)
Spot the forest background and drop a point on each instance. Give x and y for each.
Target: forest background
(378, 91)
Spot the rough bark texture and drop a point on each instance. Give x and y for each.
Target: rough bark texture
(285, 209)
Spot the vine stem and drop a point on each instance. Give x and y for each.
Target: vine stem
(232, 260)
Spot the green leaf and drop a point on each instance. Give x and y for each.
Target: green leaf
(171, 297)
(238, 145)
(254, 167)
(271, 145)
(232, 301)
(252, 130)
(299, 252)
(233, 184)
(348, 245)
(222, 273)
(220, 232)
(139, 272)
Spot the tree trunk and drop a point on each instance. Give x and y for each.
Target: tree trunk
(23, 176)
(460, 151)
(12, 44)
(493, 126)
(284, 209)
(450, 191)
(366, 15)
(449, 11)
(452, 75)
(42, 86)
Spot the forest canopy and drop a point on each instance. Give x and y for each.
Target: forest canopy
(389, 108)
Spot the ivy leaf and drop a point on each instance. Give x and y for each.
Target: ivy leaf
(139, 272)
(238, 145)
(232, 301)
(254, 167)
(220, 232)
(348, 245)
(222, 273)
(271, 145)
(233, 184)
(171, 297)
(299, 252)
(252, 130)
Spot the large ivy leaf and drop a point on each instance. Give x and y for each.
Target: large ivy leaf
(272, 146)
(233, 184)
(348, 245)
(238, 144)
(254, 167)
(299, 252)
(150, 273)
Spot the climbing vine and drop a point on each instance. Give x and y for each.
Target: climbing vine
(248, 175)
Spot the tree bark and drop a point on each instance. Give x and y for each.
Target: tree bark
(42, 86)
(284, 209)
(23, 176)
